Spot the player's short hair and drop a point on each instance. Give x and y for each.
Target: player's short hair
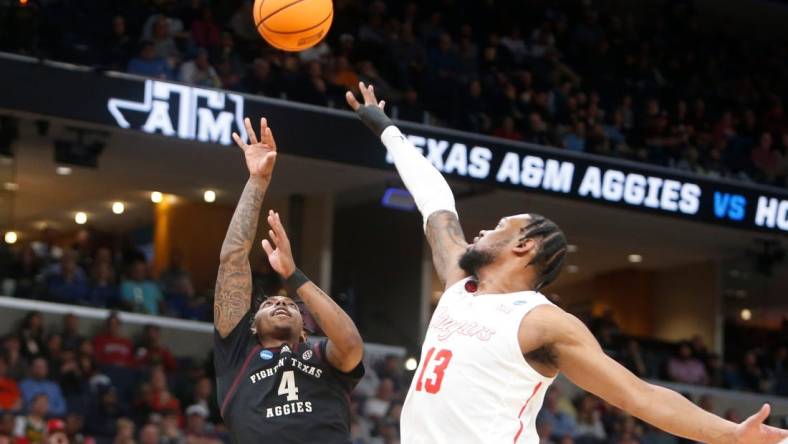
(549, 259)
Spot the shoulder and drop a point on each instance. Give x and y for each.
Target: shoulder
(545, 324)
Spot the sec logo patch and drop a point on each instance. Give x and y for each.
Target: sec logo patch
(307, 355)
(265, 355)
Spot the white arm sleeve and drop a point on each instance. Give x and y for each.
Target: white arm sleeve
(424, 182)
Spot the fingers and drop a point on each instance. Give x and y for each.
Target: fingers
(263, 128)
(238, 141)
(269, 250)
(368, 92)
(759, 417)
(382, 104)
(277, 228)
(250, 131)
(268, 139)
(351, 100)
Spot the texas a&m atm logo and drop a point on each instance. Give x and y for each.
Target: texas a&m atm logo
(182, 111)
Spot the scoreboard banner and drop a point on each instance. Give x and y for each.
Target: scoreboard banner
(206, 115)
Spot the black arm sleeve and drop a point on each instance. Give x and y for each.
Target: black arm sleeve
(374, 118)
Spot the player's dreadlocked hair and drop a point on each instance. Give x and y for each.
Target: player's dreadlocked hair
(552, 248)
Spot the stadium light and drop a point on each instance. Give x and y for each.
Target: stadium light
(571, 248)
(156, 197)
(635, 258)
(118, 207)
(209, 196)
(10, 237)
(746, 314)
(411, 364)
(63, 170)
(81, 218)
(11, 186)
(572, 268)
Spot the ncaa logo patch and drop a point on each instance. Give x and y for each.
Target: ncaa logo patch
(307, 355)
(520, 302)
(265, 355)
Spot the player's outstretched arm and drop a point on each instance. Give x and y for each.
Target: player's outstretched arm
(428, 187)
(574, 351)
(345, 347)
(233, 295)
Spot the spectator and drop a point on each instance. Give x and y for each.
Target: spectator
(507, 130)
(7, 428)
(17, 363)
(242, 22)
(138, 292)
(205, 31)
(119, 46)
(70, 332)
(148, 64)
(171, 432)
(105, 413)
(196, 430)
(68, 283)
(377, 406)
(150, 434)
(38, 383)
(10, 395)
(56, 432)
(111, 347)
(74, 425)
(683, 367)
(204, 396)
(159, 398)
(33, 427)
(589, 428)
(164, 46)
(261, 80)
(124, 432)
(184, 304)
(31, 334)
(766, 159)
(751, 375)
(103, 291)
(199, 71)
(561, 424)
(24, 272)
(151, 352)
(575, 140)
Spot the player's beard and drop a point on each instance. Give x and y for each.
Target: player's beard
(474, 259)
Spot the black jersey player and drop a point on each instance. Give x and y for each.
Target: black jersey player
(274, 386)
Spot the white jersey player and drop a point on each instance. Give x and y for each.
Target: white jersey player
(494, 343)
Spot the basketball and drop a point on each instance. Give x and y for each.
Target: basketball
(293, 25)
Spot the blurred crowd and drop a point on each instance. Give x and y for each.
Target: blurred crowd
(103, 278)
(657, 85)
(755, 364)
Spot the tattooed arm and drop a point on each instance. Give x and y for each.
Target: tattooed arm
(233, 295)
(429, 189)
(345, 347)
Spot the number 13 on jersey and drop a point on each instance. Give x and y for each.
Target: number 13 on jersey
(437, 361)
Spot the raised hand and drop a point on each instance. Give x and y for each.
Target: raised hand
(279, 255)
(368, 93)
(260, 156)
(754, 431)
(371, 113)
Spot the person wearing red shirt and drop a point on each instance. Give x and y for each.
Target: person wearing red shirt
(10, 396)
(111, 348)
(150, 352)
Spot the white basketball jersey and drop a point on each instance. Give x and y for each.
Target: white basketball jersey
(473, 384)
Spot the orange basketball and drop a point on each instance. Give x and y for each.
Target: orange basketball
(293, 25)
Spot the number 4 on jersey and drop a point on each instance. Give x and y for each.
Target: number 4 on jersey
(288, 387)
(433, 382)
